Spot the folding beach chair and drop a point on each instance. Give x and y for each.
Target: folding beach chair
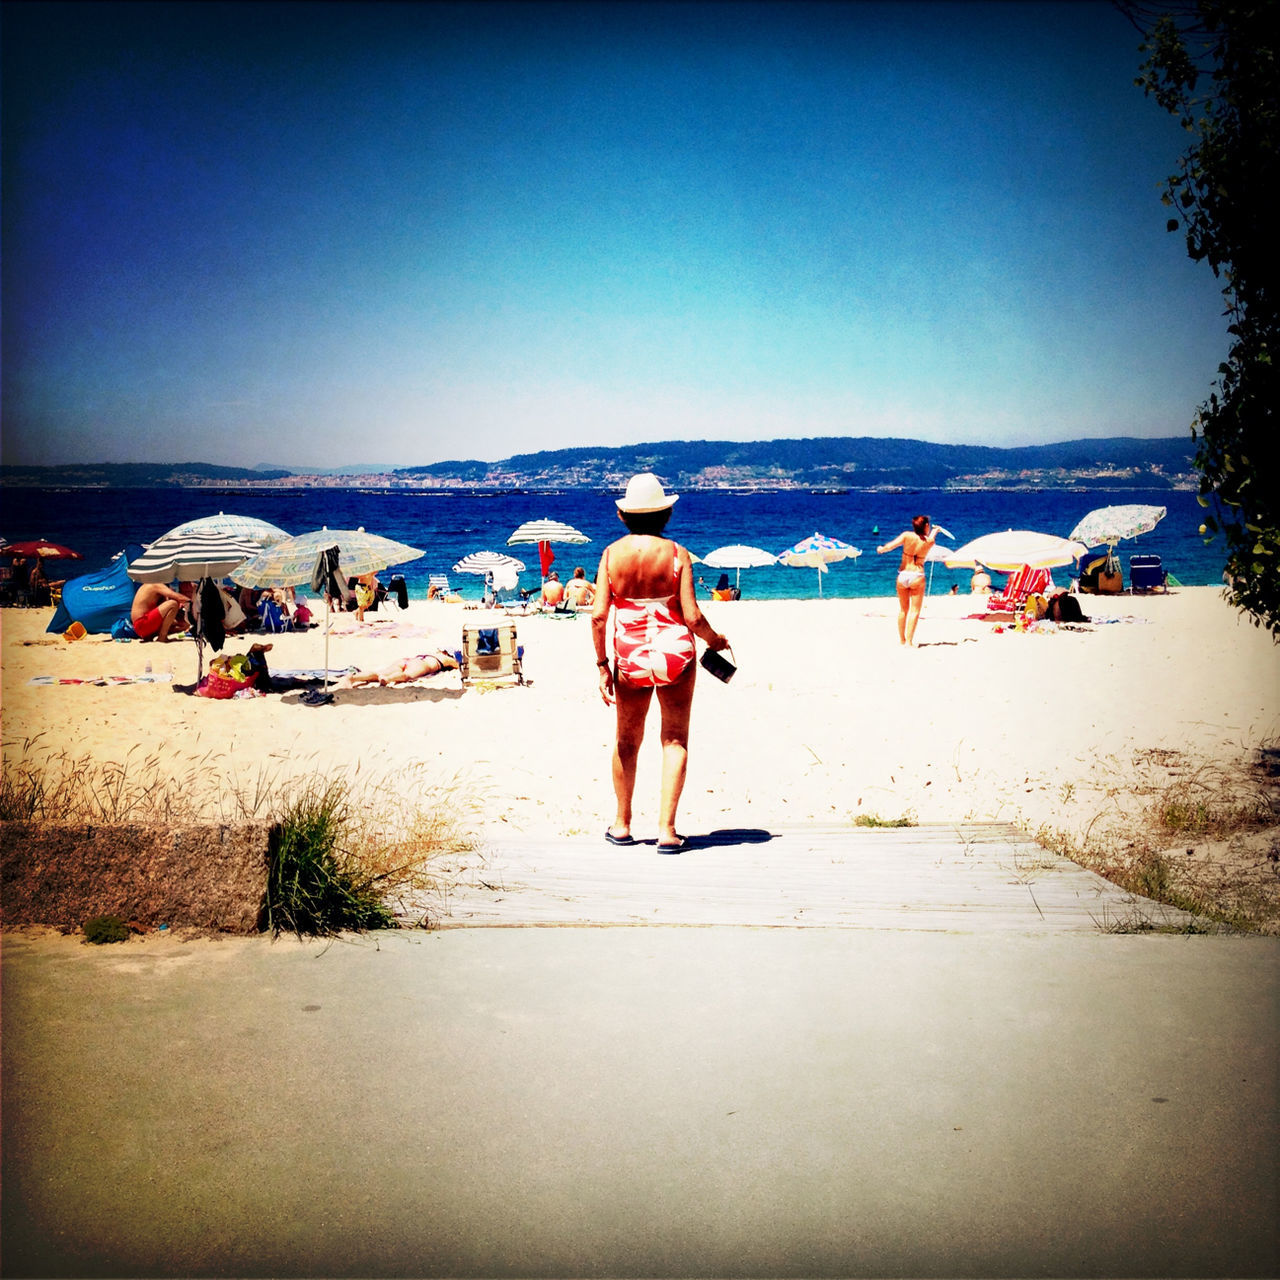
(1147, 573)
(491, 652)
(1023, 582)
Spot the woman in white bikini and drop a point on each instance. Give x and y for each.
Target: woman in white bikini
(916, 543)
(646, 581)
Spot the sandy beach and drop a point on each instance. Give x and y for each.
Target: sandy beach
(827, 719)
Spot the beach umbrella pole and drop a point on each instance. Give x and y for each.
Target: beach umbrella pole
(328, 608)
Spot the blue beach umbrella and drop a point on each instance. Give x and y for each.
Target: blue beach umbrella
(818, 551)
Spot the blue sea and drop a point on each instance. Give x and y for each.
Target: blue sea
(447, 526)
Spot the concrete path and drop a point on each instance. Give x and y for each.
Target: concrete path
(660, 1101)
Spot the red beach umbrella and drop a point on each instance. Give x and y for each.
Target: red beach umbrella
(44, 550)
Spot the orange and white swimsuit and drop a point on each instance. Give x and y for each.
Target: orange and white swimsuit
(652, 644)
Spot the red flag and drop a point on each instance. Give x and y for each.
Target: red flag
(545, 557)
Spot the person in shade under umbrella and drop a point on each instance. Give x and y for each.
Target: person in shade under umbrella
(158, 611)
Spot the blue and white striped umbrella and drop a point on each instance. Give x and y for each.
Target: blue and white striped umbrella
(547, 531)
(486, 562)
(818, 551)
(190, 557)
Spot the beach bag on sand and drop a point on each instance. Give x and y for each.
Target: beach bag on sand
(218, 685)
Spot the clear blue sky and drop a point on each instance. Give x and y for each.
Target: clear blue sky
(313, 235)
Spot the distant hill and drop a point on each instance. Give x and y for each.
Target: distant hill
(836, 462)
(824, 462)
(133, 475)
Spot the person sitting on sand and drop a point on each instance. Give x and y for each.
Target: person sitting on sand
(980, 583)
(578, 592)
(407, 669)
(366, 587)
(552, 591)
(159, 611)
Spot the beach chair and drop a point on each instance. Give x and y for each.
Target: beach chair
(438, 586)
(1023, 582)
(491, 652)
(1147, 573)
(396, 598)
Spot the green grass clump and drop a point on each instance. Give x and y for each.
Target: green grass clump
(874, 820)
(102, 929)
(314, 883)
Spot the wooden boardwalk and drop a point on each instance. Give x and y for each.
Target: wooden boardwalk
(986, 877)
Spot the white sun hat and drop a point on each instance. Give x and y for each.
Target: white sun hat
(645, 493)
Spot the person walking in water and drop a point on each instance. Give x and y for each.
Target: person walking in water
(646, 582)
(916, 543)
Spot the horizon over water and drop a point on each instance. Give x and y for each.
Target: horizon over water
(449, 525)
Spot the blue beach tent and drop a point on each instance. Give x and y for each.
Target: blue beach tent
(97, 600)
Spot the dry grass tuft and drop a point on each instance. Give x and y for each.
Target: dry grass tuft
(393, 833)
(1203, 837)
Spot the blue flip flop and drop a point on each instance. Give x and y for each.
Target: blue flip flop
(621, 841)
(678, 847)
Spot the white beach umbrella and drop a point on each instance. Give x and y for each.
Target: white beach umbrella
(1009, 551)
(818, 551)
(1110, 525)
(739, 557)
(246, 528)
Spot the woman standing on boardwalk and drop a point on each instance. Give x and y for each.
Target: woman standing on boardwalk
(646, 581)
(916, 543)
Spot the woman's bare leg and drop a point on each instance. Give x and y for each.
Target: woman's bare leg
(632, 708)
(917, 599)
(676, 703)
(904, 600)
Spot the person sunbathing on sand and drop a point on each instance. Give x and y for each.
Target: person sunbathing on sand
(404, 671)
(158, 610)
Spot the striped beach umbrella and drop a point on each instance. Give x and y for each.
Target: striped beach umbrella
(247, 528)
(818, 552)
(190, 557)
(483, 562)
(544, 533)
